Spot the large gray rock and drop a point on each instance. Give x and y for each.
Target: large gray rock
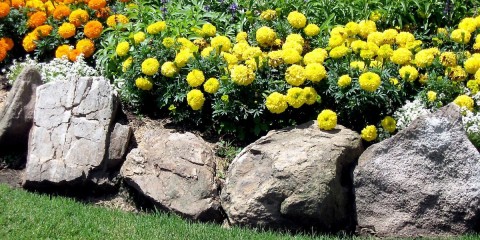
(69, 140)
(177, 172)
(295, 177)
(425, 180)
(119, 140)
(16, 116)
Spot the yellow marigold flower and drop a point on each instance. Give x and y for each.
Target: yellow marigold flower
(97, 4)
(242, 75)
(268, 15)
(66, 30)
(78, 17)
(182, 57)
(339, 31)
(448, 59)
(206, 52)
(297, 19)
(344, 81)
(295, 97)
(240, 48)
(375, 15)
(37, 19)
(335, 41)
(139, 37)
(464, 101)
(291, 56)
(424, 58)
(442, 31)
(209, 30)
(315, 72)
(477, 75)
(195, 78)
(369, 81)
(352, 28)
(43, 31)
(222, 43)
(376, 38)
(93, 29)
(394, 81)
(265, 36)
(275, 58)
(168, 42)
(389, 36)
(385, 51)
(276, 103)
(62, 51)
(327, 119)
(195, 99)
(408, 73)
(311, 30)
(367, 54)
(230, 58)
(4, 9)
(318, 55)
(86, 47)
(460, 36)
(376, 64)
(156, 27)
(389, 124)
(115, 19)
(73, 55)
(143, 83)
(61, 12)
(211, 85)
(295, 75)
(456, 73)
(150, 66)
(468, 24)
(127, 64)
(295, 38)
(251, 52)
(357, 65)
(369, 133)
(293, 45)
(431, 96)
(472, 64)
(473, 86)
(403, 38)
(358, 45)
(122, 48)
(339, 52)
(169, 69)
(310, 95)
(401, 56)
(366, 27)
(241, 37)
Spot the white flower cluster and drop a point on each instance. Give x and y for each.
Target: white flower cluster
(471, 122)
(59, 69)
(409, 112)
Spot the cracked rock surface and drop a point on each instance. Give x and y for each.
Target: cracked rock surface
(424, 181)
(69, 140)
(293, 178)
(177, 172)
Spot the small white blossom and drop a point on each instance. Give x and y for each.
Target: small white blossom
(409, 112)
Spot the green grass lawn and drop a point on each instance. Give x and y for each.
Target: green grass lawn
(25, 215)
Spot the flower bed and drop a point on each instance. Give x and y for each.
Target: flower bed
(250, 69)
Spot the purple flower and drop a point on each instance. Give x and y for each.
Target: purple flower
(233, 7)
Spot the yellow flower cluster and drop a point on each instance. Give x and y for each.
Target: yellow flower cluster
(143, 83)
(156, 27)
(150, 66)
(464, 101)
(195, 78)
(327, 119)
(369, 81)
(276, 103)
(369, 133)
(265, 36)
(195, 99)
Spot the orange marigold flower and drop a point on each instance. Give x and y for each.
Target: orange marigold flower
(61, 12)
(66, 30)
(4, 9)
(86, 46)
(62, 50)
(78, 17)
(37, 19)
(7, 42)
(97, 4)
(103, 12)
(73, 55)
(116, 18)
(3, 53)
(29, 42)
(18, 3)
(93, 29)
(44, 30)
